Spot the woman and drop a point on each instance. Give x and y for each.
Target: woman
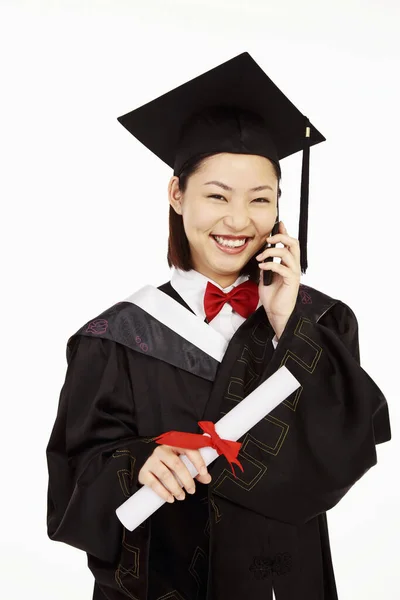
(190, 350)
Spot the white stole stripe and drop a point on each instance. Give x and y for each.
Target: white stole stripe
(178, 318)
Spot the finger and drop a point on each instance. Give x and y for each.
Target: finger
(197, 460)
(204, 478)
(168, 480)
(170, 456)
(293, 246)
(177, 465)
(286, 240)
(151, 481)
(278, 268)
(288, 258)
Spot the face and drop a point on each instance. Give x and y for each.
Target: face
(231, 198)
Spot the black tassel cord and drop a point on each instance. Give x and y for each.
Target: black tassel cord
(303, 219)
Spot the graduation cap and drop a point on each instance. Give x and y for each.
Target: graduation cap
(234, 107)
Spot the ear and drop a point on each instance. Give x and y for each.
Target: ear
(175, 195)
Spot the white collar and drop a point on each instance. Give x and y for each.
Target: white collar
(177, 318)
(191, 286)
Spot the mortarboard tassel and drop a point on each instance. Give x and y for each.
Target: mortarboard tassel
(305, 176)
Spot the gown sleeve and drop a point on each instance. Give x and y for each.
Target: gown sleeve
(94, 454)
(301, 461)
(342, 320)
(342, 416)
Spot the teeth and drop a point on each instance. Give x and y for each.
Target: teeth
(230, 243)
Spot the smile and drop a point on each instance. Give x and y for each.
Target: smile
(229, 245)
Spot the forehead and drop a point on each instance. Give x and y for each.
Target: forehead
(250, 167)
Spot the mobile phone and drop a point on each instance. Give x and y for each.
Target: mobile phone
(267, 275)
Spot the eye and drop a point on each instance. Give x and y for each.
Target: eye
(262, 200)
(216, 196)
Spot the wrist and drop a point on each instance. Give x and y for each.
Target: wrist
(278, 325)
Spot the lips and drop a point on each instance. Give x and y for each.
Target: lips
(230, 237)
(231, 250)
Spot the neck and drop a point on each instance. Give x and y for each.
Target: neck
(223, 280)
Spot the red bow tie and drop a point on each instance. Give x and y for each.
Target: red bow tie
(243, 298)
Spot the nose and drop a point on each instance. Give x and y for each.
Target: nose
(237, 218)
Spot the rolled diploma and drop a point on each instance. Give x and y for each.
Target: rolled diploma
(252, 409)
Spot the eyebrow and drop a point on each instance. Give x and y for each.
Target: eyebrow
(229, 189)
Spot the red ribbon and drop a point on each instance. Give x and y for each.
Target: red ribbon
(194, 441)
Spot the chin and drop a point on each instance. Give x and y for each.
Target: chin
(228, 268)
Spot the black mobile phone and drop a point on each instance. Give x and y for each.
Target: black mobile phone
(267, 275)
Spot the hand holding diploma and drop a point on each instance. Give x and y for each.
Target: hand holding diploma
(166, 473)
(232, 426)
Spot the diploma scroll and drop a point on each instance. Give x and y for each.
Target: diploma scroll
(252, 409)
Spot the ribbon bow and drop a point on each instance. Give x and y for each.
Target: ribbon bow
(194, 441)
(243, 298)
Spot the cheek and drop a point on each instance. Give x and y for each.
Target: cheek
(197, 220)
(264, 224)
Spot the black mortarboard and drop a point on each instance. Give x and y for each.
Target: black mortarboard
(235, 107)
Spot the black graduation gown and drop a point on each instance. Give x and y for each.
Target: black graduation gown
(133, 379)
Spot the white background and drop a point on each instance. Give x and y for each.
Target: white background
(84, 221)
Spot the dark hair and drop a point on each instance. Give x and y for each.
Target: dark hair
(178, 245)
